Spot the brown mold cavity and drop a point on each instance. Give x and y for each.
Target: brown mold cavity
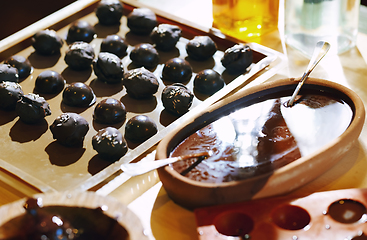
(290, 217)
(234, 224)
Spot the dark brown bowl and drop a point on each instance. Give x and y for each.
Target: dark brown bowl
(192, 194)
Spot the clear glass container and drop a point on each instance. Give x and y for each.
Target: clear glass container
(309, 21)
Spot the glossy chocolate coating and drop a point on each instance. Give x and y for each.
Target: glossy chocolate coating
(109, 12)
(22, 64)
(47, 42)
(49, 82)
(165, 36)
(201, 48)
(108, 68)
(144, 55)
(208, 82)
(78, 94)
(346, 211)
(79, 56)
(140, 83)
(141, 21)
(140, 128)
(8, 73)
(109, 143)
(69, 129)
(109, 111)
(177, 98)
(32, 108)
(237, 59)
(80, 31)
(10, 93)
(177, 70)
(114, 44)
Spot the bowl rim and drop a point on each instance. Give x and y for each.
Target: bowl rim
(355, 125)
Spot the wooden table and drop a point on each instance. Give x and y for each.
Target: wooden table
(145, 196)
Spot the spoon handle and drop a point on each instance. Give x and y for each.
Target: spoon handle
(320, 51)
(134, 169)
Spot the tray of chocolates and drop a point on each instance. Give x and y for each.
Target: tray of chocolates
(100, 83)
(337, 214)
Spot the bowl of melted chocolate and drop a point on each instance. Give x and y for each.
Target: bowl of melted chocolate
(261, 147)
(69, 215)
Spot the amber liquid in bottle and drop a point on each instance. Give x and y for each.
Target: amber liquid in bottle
(245, 19)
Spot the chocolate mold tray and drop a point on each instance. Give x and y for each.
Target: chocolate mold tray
(338, 214)
(31, 154)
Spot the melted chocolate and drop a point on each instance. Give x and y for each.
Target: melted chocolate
(257, 139)
(346, 211)
(62, 222)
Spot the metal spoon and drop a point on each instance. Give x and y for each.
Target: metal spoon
(134, 169)
(320, 51)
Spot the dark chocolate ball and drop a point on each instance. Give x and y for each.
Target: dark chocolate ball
(177, 98)
(140, 83)
(109, 111)
(114, 44)
(109, 12)
(49, 82)
(108, 68)
(80, 31)
(32, 108)
(109, 143)
(8, 73)
(177, 70)
(165, 36)
(145, 55)
(237, 59)
(140, 128)
(47, 42)
(208, 81)
(201, 48)
(79, 56)
(22, 64)
(69, 129)
(141, 21)
(78, 94)
(10, 93)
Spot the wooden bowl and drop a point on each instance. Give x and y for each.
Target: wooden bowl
(95, 214)
(192, 194)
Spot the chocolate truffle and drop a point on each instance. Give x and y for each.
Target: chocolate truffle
(141, 21)
(78, 94)
(69, 129)
(208, 81)
(140, 83)
(108, 68)
(114, 44)
(177, 98)
(201, 48)
(32, 108)
(109, 111)
(165, 36)
(237, 59)
(10, 93)
(22, 64)
(139, 128)
(109, 12)
(177, 70)
(8, 73)
(80, 31)
(49, 82)
(79, 56)
(109, 143)
(145, 55)
(47, 42)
